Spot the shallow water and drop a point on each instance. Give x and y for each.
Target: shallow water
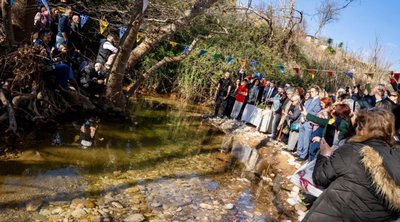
(165, 142)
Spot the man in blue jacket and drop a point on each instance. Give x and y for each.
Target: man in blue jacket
(64, 28)
(313, 106)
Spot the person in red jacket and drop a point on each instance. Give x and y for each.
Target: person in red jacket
(241, 93)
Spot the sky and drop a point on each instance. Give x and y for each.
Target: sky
(359, 25)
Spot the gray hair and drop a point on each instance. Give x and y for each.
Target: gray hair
(290, 90)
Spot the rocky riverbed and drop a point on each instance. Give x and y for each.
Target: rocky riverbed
(207, 191)
(165, 166)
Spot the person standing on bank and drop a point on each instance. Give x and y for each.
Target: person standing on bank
(312, 106)
(231, 99)
(241, 93)
(223, 90)
(362, 177)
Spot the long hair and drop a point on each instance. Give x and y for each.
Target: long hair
(327, 101)
(343, 111)
(375, 124)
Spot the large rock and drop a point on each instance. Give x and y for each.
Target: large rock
(78, 213)
(34, 205)
(135, 218)
(117, 204)
(81, 203)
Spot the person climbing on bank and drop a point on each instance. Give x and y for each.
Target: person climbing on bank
(62, 72)
(88, 132)
(64, 28)
(107, 51)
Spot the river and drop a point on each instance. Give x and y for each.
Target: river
(163, 164)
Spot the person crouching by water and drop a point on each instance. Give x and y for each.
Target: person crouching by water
(362, 177)
(88, 132)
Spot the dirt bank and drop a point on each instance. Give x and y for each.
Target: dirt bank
(268, 165)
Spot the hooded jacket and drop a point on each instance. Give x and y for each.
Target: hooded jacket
(362, 181)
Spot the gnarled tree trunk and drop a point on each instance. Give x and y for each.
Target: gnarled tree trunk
(160, 34)
(114, 92)
(8, 28)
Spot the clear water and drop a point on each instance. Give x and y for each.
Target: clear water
(163, 139)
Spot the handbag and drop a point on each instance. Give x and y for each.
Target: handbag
(295, 126)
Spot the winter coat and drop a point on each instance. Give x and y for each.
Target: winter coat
(363, 184)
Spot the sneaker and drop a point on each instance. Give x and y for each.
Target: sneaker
(301, 159)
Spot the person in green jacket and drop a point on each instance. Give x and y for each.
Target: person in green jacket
(340, 117)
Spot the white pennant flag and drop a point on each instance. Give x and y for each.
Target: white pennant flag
(145, 4)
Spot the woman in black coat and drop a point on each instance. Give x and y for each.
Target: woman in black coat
(362, 178)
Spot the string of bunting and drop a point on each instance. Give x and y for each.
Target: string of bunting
(281, 68)
(104, 24)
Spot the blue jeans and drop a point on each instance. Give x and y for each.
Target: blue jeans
(314, 147)
(60, 41)
(304, 139)
(63, 73)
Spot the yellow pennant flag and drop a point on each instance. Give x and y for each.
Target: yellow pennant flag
(173, 44)
(139, 36)
(312, 73)
(103, 25)
(60, 9)
(370, 74)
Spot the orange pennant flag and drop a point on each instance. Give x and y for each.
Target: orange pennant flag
(243, 63)
(296, 70)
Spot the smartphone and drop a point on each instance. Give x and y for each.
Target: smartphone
(329, 135)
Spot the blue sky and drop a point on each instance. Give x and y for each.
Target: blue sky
(359, 24)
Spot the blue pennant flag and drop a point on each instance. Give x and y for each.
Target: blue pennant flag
(84, 19)
(202, 52)
(254, 63)
(281, 68)
(186, 50)
(122, 31)
(349, 74)
(230, 60)
(11, 2)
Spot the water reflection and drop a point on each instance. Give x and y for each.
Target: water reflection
(158, 130)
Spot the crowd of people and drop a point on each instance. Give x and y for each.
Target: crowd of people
(353, 134)
(58, 38)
